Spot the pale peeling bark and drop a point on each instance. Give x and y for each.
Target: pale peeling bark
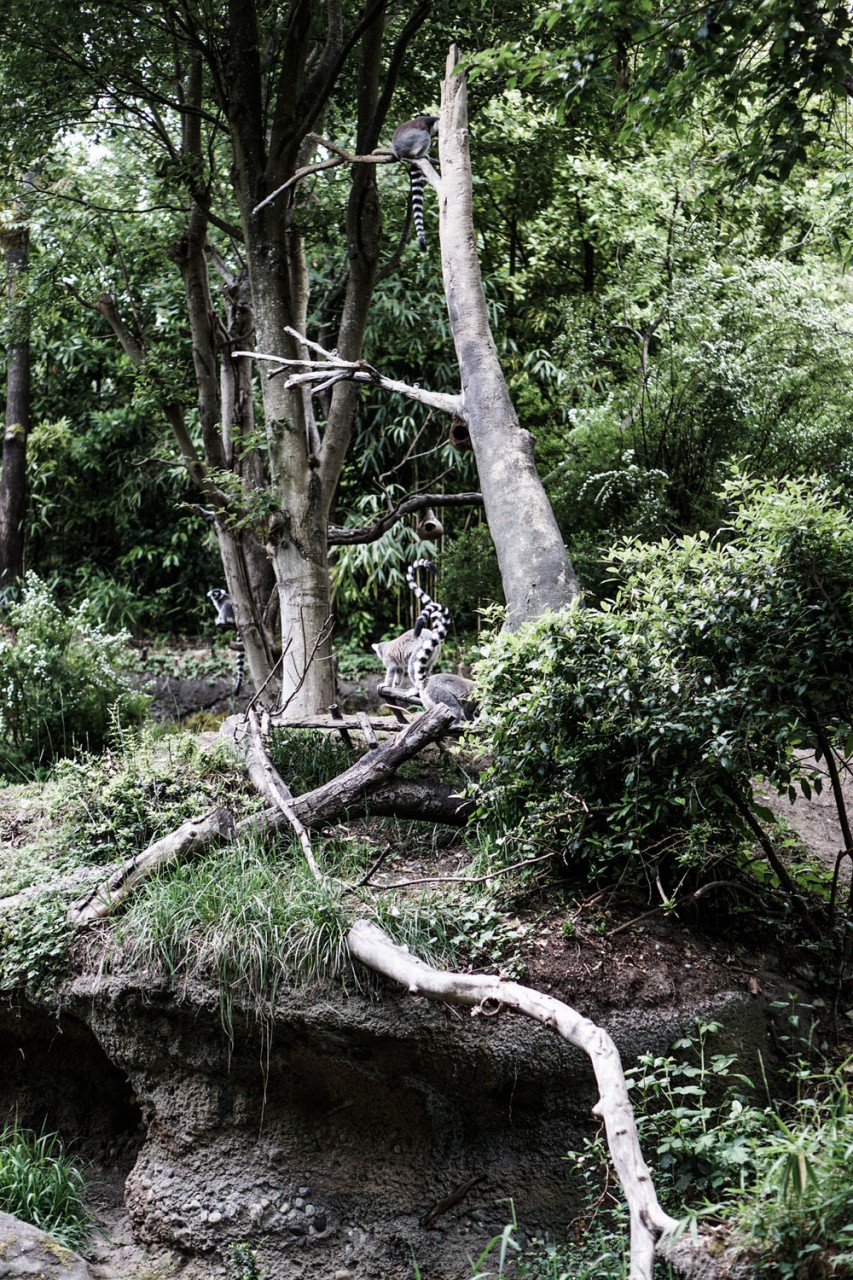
(373, 948)
(535, 568)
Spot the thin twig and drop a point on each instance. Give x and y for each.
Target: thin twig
(278, 662)
(490, 875)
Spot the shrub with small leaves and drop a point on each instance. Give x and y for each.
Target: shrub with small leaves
(34, 941)
(61, 686)
(610, 733)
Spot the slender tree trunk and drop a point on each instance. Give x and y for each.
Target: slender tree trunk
(13, 475)
(535, 568)
(305, 463)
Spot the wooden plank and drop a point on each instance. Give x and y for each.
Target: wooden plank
(367, 729)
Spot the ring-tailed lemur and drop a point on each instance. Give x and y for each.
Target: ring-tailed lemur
(397, 654)
(412, 141)
(454, 691)
(224, 606)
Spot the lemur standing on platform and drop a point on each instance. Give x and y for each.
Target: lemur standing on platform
(453, 691)
(224, 606)
(412, 141)
(396, 654)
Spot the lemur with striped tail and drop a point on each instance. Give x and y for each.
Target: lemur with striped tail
(396, 654)
(224, 606)
(412, 141)
(453, 691)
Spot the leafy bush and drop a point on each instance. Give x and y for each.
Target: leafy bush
(116, 807)
(775, 1172)
(34, 942)
(611, 733)
(39, 1184)
(61, 687)
(798, 1218)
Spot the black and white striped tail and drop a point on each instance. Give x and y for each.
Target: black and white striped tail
(431, 628)
(421, 596)
(418, 182)
(239, 671)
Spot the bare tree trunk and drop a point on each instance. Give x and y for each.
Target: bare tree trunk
(13, 476)
(535, 569)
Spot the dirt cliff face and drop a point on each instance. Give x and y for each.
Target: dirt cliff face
(324, 1140)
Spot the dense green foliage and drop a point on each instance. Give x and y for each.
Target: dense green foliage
(771, 1172)
(631, 735)
(62, 683)
(40, 1184)
(775, 73)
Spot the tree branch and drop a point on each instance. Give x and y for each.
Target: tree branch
(340, 157)
(339, 536)
(331, 369)
(373, 948)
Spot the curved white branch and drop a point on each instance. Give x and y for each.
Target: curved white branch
(372, 947)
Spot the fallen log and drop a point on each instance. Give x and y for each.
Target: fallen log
(193, 837)
(649, 1222)
(374, 767)
(218, 828)
(417, 798)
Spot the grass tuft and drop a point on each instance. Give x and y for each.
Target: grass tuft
(40, 1185)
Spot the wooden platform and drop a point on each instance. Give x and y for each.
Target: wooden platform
(368, 726)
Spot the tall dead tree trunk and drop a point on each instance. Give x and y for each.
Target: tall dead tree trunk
(535, 568)
(15, 238)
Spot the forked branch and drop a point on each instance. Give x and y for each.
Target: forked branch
(273, 788)
(321, 374)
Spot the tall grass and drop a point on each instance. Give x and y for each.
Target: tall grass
(254, 920)
(41, 1185)
(242, 919)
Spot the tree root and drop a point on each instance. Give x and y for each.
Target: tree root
(651, 1228)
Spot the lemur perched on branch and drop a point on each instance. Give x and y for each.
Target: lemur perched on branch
(412, 141)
